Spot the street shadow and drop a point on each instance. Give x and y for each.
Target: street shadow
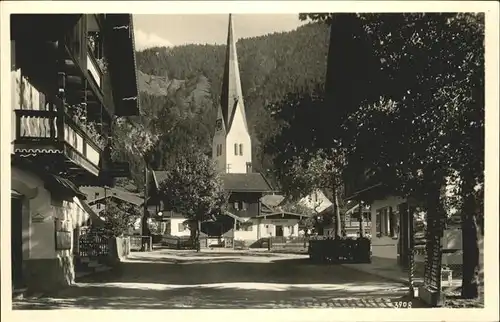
(230, 270)
(106, 296)
(149, 282)
(224, 254)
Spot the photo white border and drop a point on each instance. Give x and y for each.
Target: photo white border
(491, 10)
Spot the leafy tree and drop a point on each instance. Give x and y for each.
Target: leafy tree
(119, 217)
(438, 115)
(428, 125)
(193, 188)
(305, 158)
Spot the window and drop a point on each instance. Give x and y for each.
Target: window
(182, 227)
(241, 149)
(218, 125)
(249, 167)
(236, 149)
(291, 229)
(244, 226)
(237, 205)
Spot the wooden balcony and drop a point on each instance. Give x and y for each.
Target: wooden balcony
(94, 69)
(55, 140)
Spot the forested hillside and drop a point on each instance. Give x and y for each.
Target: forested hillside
(180, 86)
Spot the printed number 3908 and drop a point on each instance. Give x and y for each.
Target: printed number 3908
(402, 305)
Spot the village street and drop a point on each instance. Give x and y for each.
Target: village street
(167, 279)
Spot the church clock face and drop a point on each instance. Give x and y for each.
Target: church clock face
(218, 125)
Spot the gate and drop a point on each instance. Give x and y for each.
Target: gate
(93, 244)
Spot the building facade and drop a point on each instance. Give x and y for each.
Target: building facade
(70, 75)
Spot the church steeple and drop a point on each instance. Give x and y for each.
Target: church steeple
(231, 144)
(231, 94)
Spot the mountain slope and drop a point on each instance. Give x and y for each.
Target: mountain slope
(187, 81)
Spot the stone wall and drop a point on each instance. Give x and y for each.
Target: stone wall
(119, 249)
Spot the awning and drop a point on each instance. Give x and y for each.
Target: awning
(62, 187)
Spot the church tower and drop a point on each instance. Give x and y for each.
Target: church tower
(232, 146)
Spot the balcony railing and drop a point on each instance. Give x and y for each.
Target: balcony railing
(38, 129)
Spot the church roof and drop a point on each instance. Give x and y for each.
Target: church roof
(246, 182)
(231, 92)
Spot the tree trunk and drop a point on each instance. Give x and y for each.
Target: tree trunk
(336, 213)
(435, 220)
(361, 221)
(470, 232)
(198, 231)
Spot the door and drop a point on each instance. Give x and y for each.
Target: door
(16, 239)
(279, 231)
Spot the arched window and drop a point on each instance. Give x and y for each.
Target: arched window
(241, 149)
(236, 149)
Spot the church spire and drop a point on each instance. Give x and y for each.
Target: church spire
(231, 94)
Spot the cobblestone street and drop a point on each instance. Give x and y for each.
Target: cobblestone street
(165, 279)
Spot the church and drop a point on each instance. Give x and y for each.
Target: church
(232, 152)
(247, 220)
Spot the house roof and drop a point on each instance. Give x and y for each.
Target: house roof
(366, 192)
(107, 192)
(246, 182)
(272, 201)
(227, 213)
(242, 182)
(93, 214)
(282, 214)
(123, 65)
(58, 185)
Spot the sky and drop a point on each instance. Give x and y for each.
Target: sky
(180, 29)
